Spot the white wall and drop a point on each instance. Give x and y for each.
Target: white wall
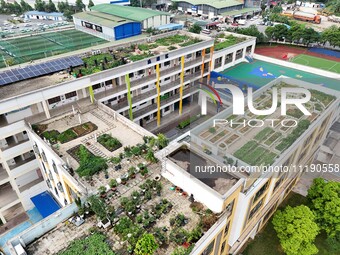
(33, 191)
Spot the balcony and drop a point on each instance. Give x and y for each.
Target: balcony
(153, 93)
(7, 195)
(172, 99)
(31, 184)
(3, 175)
(19, 161)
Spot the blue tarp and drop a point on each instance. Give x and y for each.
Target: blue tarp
(45, 204)
(172, 26)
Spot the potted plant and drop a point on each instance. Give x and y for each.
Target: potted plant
(132, 172)
(148, 195)
(144, 172)
(81, 212)
(139, 219)
(106, 174)
(102, 191)
(113, 184)
(135, 195)
(115, 160)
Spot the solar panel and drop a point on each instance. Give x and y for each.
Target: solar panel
(32, 71)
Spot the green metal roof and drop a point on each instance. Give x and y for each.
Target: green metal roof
(218, 4)
(238, 12)
(101, 19)
(127, 12)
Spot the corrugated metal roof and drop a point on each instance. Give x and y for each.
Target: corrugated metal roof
(102, 19)
(127, 12)
(218, 4)
(238, 12)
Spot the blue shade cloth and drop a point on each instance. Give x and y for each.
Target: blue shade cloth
(45, 204)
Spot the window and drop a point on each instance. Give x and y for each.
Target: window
(166, 108)
(88, 25)
(166, 79)
(188, 56)
(261, 191)
(60, 187)
(167, 63)
(56, 192)
(223, 247)
(255, 209)
(50, 175)
(279, 181)
(230, 206)
(158, 58)
(48, 182)
(54, 100)
(109, 82)
(54, 167)
(226, 229)
(96, 86)
(141, 71)
(209, 249)
(43, 156)
(145, 87)
(99, 29)
(131, 75)
(71, 94)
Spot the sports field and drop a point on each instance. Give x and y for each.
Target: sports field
(259, 73)
(325, 64)
(324, 59)
(25, 49)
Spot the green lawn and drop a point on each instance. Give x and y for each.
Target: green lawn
(266, 242)
(325, 64)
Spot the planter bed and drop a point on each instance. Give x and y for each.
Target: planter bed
(240, 153)
(253, 155)
(267, 158)
(296, 113)
(74, 152)
(244, 129)
(110, 143)
(51, 135)
(231, 139)
(263, 134)
(272, 138)
(219, 136)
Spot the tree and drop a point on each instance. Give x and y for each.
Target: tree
(97, 206)
(91, 4)
(146, 245)
(296, 229)
(50, 7)
(39, 5)
(331, 35)
(25, 6)
(80, 5)
(195, 29)
(310, 36)
(325, 202)
(251, 31)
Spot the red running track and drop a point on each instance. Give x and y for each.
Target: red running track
(281, 52)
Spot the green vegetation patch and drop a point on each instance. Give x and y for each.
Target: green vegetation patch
(229, 40)
(322, 97)
(93, 244)
(264, 133)
(89, 164)
(291, 138)
(170, 40)
(109, 142)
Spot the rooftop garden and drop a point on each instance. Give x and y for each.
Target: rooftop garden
(54, 136)
(133, 53)
(224, 41)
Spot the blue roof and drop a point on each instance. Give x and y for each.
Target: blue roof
(55, 14)
(45, 204)
(171, 26)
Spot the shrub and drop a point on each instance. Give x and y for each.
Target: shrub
(109, 142)
(67, 136)
(89, 164)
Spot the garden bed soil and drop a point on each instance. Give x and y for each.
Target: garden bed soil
(74, 152)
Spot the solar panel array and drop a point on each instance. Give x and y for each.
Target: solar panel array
(33, 71)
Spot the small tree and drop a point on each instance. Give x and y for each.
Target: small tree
(195, 29)
(162, 141)
(296, 229)
(146, 245)
(91, 4)
(325, 202)
(97, 206)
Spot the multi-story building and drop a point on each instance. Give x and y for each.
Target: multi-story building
(143, 80)
(246, 197)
